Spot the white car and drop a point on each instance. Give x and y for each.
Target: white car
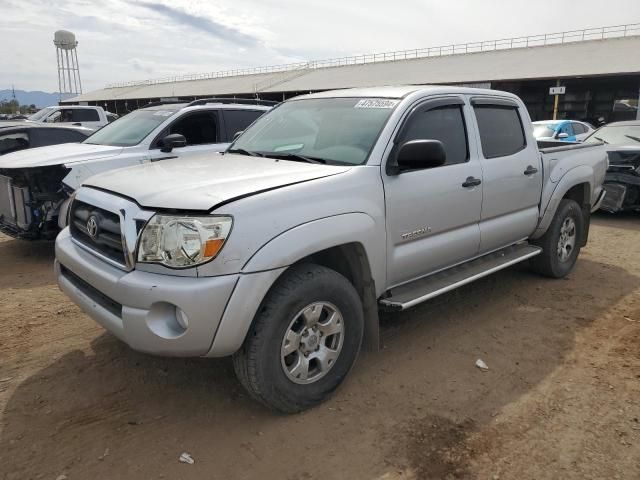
(78, 115)
(35, 184)
(564, 130)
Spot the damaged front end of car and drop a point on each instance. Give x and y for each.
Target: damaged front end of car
(30, 201)
(622, 182)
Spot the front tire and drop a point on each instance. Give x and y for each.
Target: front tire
(561, 242)
(303, 341)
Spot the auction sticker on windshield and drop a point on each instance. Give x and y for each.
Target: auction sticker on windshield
(376, 103)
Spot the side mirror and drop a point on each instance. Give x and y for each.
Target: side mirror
(562, 136)
(237, 134)
(420, 154)
(175, 140)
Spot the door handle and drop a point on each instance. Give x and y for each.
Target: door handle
(471, 182)
(530, 171)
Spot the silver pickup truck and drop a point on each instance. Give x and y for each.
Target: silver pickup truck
(329, 207)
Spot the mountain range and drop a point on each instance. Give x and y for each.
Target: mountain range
(39, 99)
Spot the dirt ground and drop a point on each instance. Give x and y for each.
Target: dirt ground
(561, 399)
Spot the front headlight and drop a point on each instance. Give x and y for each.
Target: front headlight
(183, 241)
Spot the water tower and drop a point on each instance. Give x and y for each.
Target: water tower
(69, 83)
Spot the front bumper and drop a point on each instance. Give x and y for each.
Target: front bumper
(140, 308)
(623, 192)
(598, 204)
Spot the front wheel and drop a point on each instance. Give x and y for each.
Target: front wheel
(304, 340)
(561, 243)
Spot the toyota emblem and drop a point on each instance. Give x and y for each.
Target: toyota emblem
(92, 227)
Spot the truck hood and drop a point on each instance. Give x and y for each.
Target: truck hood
(63, 154)
(205, 181)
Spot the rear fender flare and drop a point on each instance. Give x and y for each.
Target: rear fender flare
(555, 192)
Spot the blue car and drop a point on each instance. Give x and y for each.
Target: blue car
(564, 130)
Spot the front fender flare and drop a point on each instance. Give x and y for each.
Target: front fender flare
(271, 260)
(312, 237)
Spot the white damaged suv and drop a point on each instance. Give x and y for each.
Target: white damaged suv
(35, 184)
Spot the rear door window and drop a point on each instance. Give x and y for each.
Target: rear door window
(11, 142)
(501, 131)
(42, 137)
(238, 120)
(579, 129)
(84, 115)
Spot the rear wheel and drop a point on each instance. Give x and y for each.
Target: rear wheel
(303, 341)
(561, 242)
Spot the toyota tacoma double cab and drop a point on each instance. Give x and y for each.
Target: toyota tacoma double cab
(328, 208)
(36, 184)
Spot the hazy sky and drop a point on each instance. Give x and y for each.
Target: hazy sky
(138, 39)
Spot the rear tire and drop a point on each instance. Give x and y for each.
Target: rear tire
(303, 341)
(561, 242)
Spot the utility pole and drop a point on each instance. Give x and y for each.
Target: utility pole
(556, 92)
(556, 102)
(13, 99)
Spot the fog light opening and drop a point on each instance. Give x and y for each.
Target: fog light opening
(167, 320)
(182, 318)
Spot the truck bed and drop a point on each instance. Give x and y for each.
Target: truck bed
(559, 146)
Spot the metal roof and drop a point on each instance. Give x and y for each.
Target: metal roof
(609, 56)
(245, 84)
(600, 57)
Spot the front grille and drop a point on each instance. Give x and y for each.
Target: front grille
(105, 238)
(94, 294)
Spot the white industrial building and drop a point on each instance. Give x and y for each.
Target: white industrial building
(600, 69)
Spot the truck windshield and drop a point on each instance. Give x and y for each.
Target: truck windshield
(131, 129)
(616, 135)
(339, 131)
(40, 114)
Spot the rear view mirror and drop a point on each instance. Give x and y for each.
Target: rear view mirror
(175, 140)
(421, 154)
(562, 136)
(237, 134)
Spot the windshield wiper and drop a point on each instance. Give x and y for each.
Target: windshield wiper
(242, 151)
(633, 138)
(600, 139)
(296, 157)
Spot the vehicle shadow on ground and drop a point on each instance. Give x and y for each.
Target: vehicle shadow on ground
(144, 411)
(622, 220)
(22, 263)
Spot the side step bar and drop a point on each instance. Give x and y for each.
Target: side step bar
(411, 294)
